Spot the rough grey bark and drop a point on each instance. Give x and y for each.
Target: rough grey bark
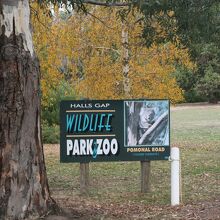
(23, 181)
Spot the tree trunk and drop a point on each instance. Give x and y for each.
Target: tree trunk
(125, 59)
(23, 180)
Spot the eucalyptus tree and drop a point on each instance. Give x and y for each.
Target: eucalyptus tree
(23, 180)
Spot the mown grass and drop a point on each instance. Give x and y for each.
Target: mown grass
(196, 130)
(196, 126)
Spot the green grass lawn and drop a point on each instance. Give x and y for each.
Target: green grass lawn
(195, 126)
(196, 130)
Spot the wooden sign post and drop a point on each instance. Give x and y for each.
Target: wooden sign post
(84, 178)
(145, 176)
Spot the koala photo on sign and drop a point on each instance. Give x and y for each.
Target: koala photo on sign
(146, 123)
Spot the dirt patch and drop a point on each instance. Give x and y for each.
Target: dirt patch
(203, 210)
(52, 150)
(83, 209)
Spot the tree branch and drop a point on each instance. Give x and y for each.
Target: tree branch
(35, 13)
(106, 48)
(99, 20)
(107, 4)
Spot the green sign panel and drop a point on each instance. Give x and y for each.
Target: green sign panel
(114, 130)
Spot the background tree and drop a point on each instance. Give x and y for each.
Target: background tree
(94, 58)
(196, 25)
(54, 70)
(202, 83)
(209, 85)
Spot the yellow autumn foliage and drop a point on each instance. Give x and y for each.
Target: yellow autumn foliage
(45, 41)
(88, 53)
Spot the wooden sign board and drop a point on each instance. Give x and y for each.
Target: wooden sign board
(114, 130)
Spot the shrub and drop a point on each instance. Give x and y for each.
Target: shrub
(50, 112)
(209, 85)
(50, 134)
